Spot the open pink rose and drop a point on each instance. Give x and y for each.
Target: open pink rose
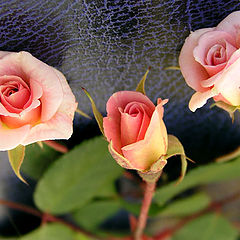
(135, 129)
(36, 102)
(210, 63)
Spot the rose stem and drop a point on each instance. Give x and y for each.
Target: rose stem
(47, 217)
(57, 146)
(148, 194)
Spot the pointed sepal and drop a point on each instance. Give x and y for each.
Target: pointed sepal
(229, 156)
(80, 112)
(150, 177)
(121, 160)
(141, 84)
(228, 108)
(98, 116)
(173, 68)
(175, 148)
(16, 157)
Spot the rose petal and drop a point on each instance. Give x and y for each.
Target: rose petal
(11, 138)
(229, 84)
(69, 105)
(192, 71)
(29, 68)
(133, 128)
(58, 127)
(199, 99)
(144, 153)
(111, 123)
(18, 99)
(32, 117)
(205, 42)
(4, 53)
(230, 24)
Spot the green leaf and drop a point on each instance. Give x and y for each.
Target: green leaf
(201, 175)
(108, 191)
(93, 214)
(16, 157)
(141, 84)
(76, 177)
(54, 231)
(98, 116)
(187, 206)
(175, 148)
(207, 227)
(228, 108)
(37, 160)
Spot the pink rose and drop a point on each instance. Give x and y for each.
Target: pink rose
(36, 102)
(210, 63)
(135, 129)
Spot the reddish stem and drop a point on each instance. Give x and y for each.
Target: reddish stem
(44, 216)
(149, 191)
(57, 146)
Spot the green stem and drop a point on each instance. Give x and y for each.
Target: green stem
(148, 195)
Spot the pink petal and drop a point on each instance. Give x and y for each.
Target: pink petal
(61, 125)
(18, 99)
(230, 24)
(31, 117)
(133, 127)
(229, 84)
(111, 123)
(4, 53)
(45, 75)
(122, 161)
(29, 68)
(69, 105)
(206, 42)
(11, 138)
(144, 153)
(192, 71)
(58, 127)
(199, 99)
(212, 80)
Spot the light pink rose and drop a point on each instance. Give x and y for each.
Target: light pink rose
(210, 63)
(135, 129)
(36, 102)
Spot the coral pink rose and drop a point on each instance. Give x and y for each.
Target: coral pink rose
(210, 63)
(36, 102)
(135, 129)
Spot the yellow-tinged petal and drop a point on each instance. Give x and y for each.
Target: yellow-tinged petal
(144, 153)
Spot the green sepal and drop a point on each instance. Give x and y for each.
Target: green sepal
(175, 148)
(80, 112)
(228, 108)
(98, 116)
(16, 157)
(141, 84)
(150, 177)
(229, 156)
(173, 68)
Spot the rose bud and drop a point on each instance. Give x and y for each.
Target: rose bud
(136, 132)
(135, 129)
(210, 63)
